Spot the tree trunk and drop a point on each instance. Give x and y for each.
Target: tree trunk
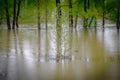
(58, 7)
(70, 14)
(76, 19)
(7, 15)
(88, 2)
(18, 12)
(103, 24)
(91, 20)
(46, 14)
(118, 18)
(14, 15)
(85, 20)
(58, 15)
(39, 25)
(85, 6)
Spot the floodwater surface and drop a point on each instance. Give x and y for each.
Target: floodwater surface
(30, 54)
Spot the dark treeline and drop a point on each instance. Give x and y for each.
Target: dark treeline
(89, 11)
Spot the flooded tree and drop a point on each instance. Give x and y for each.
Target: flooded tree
(103, 15)
(70, 10)
(118, 15)
(70, 14)
(76, 16)
(7, 14)
(59, 13)
(18, 12)
(46, 14)
(85, 20)
(14, 14)
(38, 7)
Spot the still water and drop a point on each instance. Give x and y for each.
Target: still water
(29, 54)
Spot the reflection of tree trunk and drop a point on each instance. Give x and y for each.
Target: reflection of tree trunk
(15, 41)
(38, 14)
(58, 56)
(18, 12)
(91, 20)
(14, 15)
(95, 22)
(85, 22)
(8, 41)
(47, 45)
(70, 42)
(70, 14)
(39, 43)
(7, 15)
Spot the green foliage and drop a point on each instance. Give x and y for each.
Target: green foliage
(29, 12)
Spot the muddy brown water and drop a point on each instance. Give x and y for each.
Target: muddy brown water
(29, 54)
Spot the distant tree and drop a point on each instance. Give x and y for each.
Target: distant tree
(14, 14)
(77, 10)
(59, 13)
(118, 15)
(46, 13)
(7, 14)
(70, 14)
(18, 12)
(38, 6)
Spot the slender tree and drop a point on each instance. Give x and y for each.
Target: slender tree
(18, 12)
(14, 15)
(103, 15)
(76, 17)
(85, 5)
(70, 14)
(7, 14)
(118, 15)
(85, 20)
(39, 25)
(46, 13)
(58, 15)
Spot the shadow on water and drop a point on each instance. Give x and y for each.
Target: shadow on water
(59, 54)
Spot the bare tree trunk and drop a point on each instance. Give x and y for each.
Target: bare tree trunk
(46, 14)
(70, 14)
(88, 2)
(118, 18)
(76, 20)
(103, 24)
(7, 15)
(18, 12)
(85, 6)
(14, 15)
(39, 25)
(58, 15)
(76, 17)
(95, 22)
(85, 20)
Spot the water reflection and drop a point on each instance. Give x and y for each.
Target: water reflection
(59, 54)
